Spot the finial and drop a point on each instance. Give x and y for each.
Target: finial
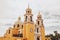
(39, 15)
(28, 5)
(19, 18)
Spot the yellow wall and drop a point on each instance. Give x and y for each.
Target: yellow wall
(42, 33)
(29, 34)
(24, 30)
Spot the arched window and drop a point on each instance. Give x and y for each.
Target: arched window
(38, 22)
(17, 25)
(18, 32)
(9, 31)
(38, 38)
(22, 26)
(28, 11)
(26, 18)
(45, 39)
(37, 30)
(14, 26)
(31, 18)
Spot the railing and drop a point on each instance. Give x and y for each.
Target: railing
(17, 35)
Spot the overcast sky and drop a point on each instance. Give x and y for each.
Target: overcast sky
(10, 10)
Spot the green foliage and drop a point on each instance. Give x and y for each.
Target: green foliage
(54, 37)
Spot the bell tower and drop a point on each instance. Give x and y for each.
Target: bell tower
(28, 15)
(39, 28)
(28, 25)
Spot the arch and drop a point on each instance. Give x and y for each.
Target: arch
(31, 18)
(22, 26)
(38, 23)
(9, 31)
(18, 25)
(14, 25)
(26, 18)
(38, 38)
(37, 30)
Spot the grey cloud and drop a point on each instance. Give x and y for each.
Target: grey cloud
(11, 9)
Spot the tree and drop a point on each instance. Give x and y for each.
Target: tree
(54, 37)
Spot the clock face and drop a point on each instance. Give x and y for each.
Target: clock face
(31, 30)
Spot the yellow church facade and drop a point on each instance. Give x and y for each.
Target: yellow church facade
(27, 30)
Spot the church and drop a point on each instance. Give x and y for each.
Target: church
(27, 30)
